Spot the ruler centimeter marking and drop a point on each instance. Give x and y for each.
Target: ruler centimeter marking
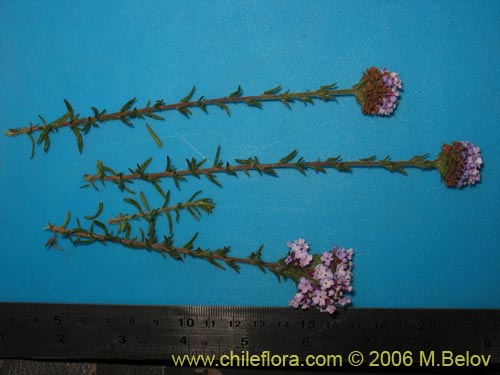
(136, 332)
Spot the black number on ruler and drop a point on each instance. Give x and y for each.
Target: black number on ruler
(431, 325)
(122, 339)
(259, 324)
(310, 324)
(83, 321)
(35, 320)
(11, 320)
(284, 324)
(131, 322)
(156, 322)
(61, 338)
(183, 340)
(107, 321)
(209, 323)
(305, 342)
(186, 322)
(57, 320)
(427, 343)
(244, 341)
(235, 323)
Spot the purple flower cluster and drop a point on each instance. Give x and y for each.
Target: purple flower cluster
(472, 164)
(326, 279)
(390, 98)
(459, 164)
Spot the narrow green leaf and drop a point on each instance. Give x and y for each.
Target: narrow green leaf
(170, 222)
(134, 203)
(69, 107)
(233, 265)
(66, 220)
(144, 201)
(185, 111)
(46, 144)
(102, 226)
(237, 93)
(32, 145)
(144, 165)
(194, 196)
(127, 105)
(254, 103)
(217, 162)
(371, 158)
(289, 157)
(224, 107)
(154, 136)
(79, 139)
(188, 97)
(96, 215)
(154, 116)
(273, 91)
(189, 244)
(213, 179)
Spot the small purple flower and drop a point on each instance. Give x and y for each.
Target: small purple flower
(322, 281)
(319, 297)
(305, 285)
(326, 283)
(459, 164)
(327, 258)
(378, 92)
(472, 165)
(321, 272)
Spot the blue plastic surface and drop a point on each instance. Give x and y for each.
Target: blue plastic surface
(417, 243)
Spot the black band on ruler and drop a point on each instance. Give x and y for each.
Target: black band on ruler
(134, 332)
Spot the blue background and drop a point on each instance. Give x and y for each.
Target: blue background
(417, 243)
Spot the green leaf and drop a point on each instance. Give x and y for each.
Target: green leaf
(185, 111)
(273, 91)
(144, 201)
(154, 136)
(102, 226)
(127, 105)
(99, 211)
(217, 162)
(78, 136)
(144, 165)
(154, 116)
(188, 97)
(213, 179)
(189, 244)
(134, 203)
(32, 145)
(237, 93)
(224, 107)
(233, 265)
(170, 222)
(46, 144)
(289, 157)
(371, 158)
(66, 220)
(194, 196)
(254, 103)
(69, 107)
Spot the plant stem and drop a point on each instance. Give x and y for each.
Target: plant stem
(204, 205)
(339, 165)
(158, 247)
(307, 96)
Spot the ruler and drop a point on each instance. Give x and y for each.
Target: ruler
(132, 332)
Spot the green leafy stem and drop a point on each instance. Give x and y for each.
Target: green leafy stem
(291, 161)
(219, 257)
(128, 113)
(195, 207)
